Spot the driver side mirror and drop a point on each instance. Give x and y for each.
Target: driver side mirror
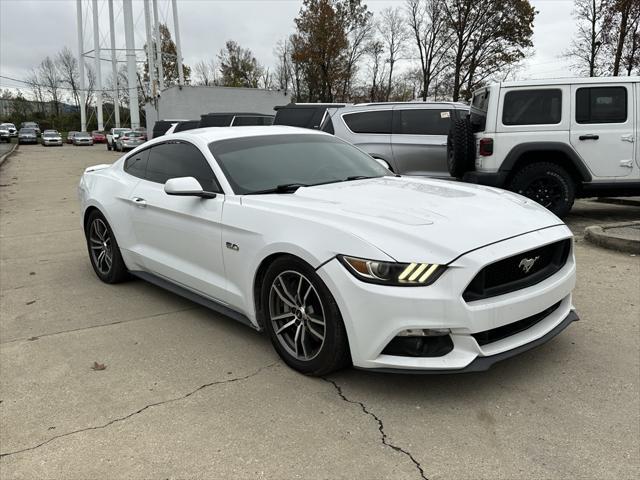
(186, 187)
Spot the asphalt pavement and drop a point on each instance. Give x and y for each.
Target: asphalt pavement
(187, 393)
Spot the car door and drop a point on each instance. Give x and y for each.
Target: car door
(370, 130)
(419, 139)
(179, 237)
(602, 128)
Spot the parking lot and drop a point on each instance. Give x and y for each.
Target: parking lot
(187, 393)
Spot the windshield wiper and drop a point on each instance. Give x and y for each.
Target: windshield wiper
(284, 188)
(358, 177)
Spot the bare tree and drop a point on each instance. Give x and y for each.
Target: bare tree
(37, 90)
(377, 73)
(428, 24)
(621, 18)
(52, 81)
(586, 48)
(68, 68)
(206, 72)
(489, 36)
(359, 29)
(392, 30)
(283, 73)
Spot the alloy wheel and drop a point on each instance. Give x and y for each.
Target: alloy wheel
(297, 315)
(546, 191)
(101, 246)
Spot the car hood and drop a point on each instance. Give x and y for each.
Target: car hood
(415, 219)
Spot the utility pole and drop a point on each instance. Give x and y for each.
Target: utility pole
(127, 13)
(176, 27)
(158, 46)
(82, 96)
(150, 52)
(98, 61)
(114, 67)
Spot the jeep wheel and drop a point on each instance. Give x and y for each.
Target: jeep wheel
(548, 184)
(461, 148)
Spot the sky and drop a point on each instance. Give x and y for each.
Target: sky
(33, 29)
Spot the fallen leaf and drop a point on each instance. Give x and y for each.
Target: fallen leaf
(98, 366)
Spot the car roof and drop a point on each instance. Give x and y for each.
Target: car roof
(568, 81)
(213, 134)
(394, 105)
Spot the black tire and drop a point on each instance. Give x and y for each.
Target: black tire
(548, 184)
(461, 148)
(108, 146)
(116, 272)
(333, 352)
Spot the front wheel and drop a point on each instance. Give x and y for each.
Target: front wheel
(548, 184)
(303, 319)
(104, 251)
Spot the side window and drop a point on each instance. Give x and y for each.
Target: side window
(179, 159)
(601, 105)
(532, 107)
(136, 164)
(369, 122)
(422, 122)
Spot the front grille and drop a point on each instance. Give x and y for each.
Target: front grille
(518, 272)
(495, 334)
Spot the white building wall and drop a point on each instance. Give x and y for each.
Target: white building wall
(190, 102)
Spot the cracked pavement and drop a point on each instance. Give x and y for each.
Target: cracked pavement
(188, 393)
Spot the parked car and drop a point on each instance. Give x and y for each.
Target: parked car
(410, 138)
(70, 136)
(27, 135)
(334, 256)
(129, 140)
(5, 135)
(32, 125)
(11, 128)
(142, 131)
(113, 135)
(219, 119)
(82, 138)
(51, 137)
(304, 115)
(98, 136)
(553, 140)
(160, 127)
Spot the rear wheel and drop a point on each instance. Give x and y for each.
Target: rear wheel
(548, 184)
(104, 251)
(303, 319)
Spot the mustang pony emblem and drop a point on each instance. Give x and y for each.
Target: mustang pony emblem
(526, 264)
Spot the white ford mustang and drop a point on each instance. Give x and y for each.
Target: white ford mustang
(303, 235)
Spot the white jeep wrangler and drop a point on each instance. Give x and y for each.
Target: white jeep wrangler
(552, 140)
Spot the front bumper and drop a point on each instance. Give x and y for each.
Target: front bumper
(27, 139)
(52, 142)
(374, 315)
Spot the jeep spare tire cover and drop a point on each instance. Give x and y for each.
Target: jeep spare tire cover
(461, 148)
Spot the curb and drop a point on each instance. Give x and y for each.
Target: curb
(598, 235)
(631, 202)
(6, 155)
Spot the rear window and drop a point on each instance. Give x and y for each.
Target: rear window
(295, 117)
(369, 122)
(244, 121)
(601, 105)
(478, 111)
(532, 107)
(422, 122)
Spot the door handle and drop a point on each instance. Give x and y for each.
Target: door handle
(627, 138)
(589, 137)
(139, 202)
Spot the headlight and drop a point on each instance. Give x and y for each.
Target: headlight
(392, 273)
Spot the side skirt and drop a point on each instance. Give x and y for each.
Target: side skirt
(195, 297)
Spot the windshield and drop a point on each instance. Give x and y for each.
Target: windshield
(133, 134)
(51, 134)
(118, 131)
(82, 135)
(27, 130)
(254, 164)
